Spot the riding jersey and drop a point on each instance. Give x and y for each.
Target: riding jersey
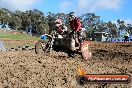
(75, 24)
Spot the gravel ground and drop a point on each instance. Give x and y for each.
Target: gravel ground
(25, 69)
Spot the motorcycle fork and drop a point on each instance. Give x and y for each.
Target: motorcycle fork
(51, 45)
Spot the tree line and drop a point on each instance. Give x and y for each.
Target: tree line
(38, 23)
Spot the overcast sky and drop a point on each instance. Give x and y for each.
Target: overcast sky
(107, 9)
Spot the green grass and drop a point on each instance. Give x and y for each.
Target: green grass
(5, 35)
(11, 36)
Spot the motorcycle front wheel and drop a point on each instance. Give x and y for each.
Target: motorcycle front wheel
(41, 47)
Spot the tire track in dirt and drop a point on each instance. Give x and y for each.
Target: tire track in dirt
(57, 70)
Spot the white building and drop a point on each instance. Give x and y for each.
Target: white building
(101, 36)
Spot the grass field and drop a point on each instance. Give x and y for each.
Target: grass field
(6, 35)
(12, 40)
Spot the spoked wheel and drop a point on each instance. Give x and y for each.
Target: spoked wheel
(41, 47)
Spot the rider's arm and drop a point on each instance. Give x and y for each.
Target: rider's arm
(78, 25)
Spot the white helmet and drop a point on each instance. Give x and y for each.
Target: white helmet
(58, 22)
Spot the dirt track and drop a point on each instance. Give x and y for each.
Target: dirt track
(25, 69)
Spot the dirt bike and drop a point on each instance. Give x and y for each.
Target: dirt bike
(61, 43)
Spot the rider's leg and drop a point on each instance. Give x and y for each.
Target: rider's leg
(73, 40)
(79, 37)
(76, 39)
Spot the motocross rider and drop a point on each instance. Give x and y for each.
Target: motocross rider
(60, 27)
(75, 26)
